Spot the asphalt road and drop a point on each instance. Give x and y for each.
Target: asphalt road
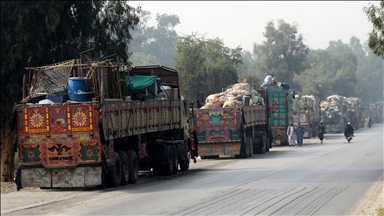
(332, 178)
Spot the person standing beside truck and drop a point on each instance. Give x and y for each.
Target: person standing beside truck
(291, 132)
(321, 131)
(299, 135)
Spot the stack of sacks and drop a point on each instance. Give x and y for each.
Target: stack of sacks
(215, 101)
(331, 104)
(240, 91)
(233, 97)
(324, 105)
(234, 102)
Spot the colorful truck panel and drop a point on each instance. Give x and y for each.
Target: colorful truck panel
(281, 114)
(219, 131)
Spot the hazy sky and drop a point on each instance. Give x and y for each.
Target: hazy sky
(242, 23)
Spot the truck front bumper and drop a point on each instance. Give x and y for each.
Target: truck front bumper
(78, 177)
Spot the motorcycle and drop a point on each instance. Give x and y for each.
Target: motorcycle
(349, 137)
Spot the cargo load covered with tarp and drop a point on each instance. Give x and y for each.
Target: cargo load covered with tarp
(139, 83)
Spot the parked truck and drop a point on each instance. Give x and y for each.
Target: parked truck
(309, 115)
(78, 127)
(237, 126)
(281, 105)
(354, 112)
(333, 113)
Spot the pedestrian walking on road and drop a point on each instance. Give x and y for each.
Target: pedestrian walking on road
(299, 134)
(291, 132)
(321, 131)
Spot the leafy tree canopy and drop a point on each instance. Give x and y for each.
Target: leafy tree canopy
(205, 65)
(376, 38)
(36, 33)
(283, 52)
(157, 43)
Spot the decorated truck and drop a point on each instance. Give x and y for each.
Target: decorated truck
(309, 115)
(333, 113)
(354, 111)
(77, 125)
(282, 104)
(233, 123)
(376, 112)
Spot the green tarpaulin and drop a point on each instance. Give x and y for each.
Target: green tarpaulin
(138, 82)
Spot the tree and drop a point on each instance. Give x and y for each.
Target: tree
(332, 71)
(316, 79)
(370, 78)
(249, 78)
(376, 38)
(205, 65)
(284, 52)
(157, 42)
(36, 33)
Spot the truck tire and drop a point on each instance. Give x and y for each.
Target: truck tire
(184, 163)
(261, 146)
(114, 175)
(266, 144)
(284, 141)
(169, 157)
(175, 160)
(18, 179)
(133, 166)
(124, 168)
(249, 146)
(243, 147)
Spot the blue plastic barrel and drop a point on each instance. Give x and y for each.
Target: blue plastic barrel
(76, 86)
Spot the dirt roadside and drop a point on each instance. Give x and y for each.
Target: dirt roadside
(373, 201)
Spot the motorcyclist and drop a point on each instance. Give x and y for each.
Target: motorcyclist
(348, 130)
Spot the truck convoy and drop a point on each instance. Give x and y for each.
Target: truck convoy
(233, 123)
(83, 124)
(77, 125)
(309, 116)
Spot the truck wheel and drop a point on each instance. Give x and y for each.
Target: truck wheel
(175, 160)
(18, 179)
(133, 166)
(184, 163)
(243, 147)
(249, 146)
(263, 146)
(114, 175)
(124, 168)
(169, 158)
(284, 141)
(266, 144)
